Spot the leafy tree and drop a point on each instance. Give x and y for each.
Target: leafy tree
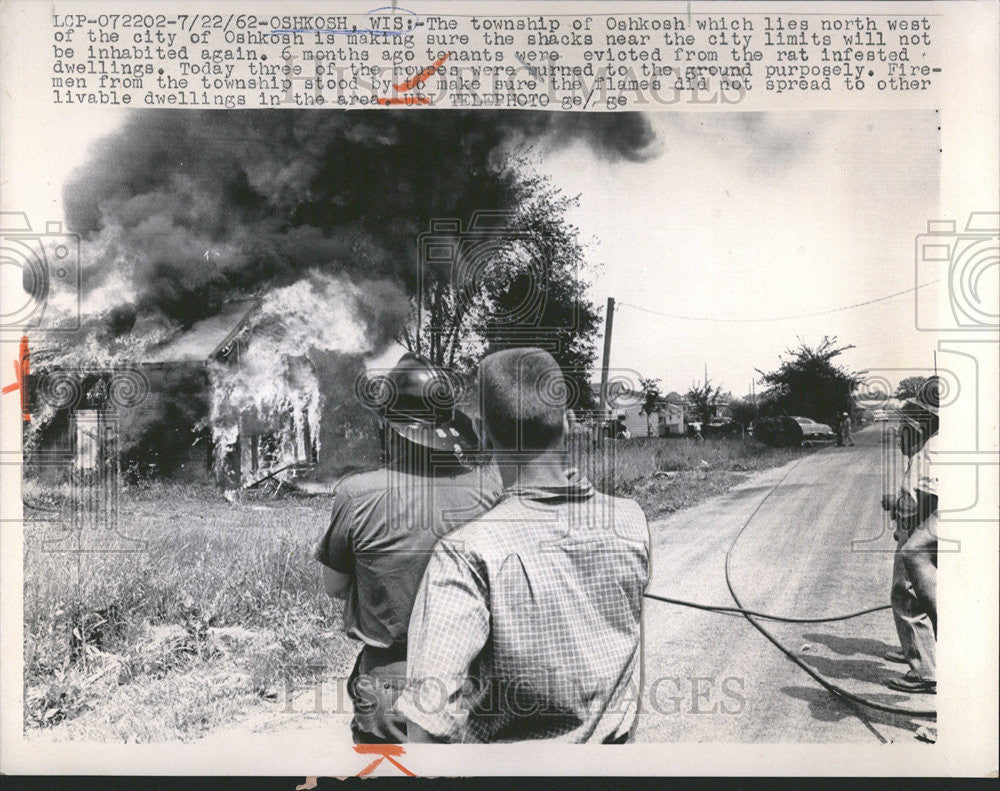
(703, 398)
(810, 384)
(652, 400)
(743, 411)
(519, 281)
(910, 386)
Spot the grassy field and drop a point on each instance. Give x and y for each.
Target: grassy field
(665, 475)
(223, 609)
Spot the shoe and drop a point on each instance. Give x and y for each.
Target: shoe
(910, 683)
(895, 656)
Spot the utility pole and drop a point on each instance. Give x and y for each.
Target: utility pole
(609, 318)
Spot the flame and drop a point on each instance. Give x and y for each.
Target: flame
(270, 384)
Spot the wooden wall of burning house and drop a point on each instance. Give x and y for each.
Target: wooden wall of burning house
(279, 442)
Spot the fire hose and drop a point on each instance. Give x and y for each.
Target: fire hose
(753, 615)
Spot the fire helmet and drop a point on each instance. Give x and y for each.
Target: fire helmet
(416, 399)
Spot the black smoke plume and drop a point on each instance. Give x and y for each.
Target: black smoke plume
(181, 211)
(196, 207)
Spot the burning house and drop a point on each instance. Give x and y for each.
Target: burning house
(236, 398)
(239, 447)
(247, 264)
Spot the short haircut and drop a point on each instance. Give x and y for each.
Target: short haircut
(524, 398)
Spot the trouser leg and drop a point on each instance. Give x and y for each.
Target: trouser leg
(920, 561)
(916, 634)
(374, 685)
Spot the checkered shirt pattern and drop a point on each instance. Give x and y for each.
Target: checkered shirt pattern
(526, 624)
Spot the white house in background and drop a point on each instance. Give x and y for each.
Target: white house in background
(667, 420)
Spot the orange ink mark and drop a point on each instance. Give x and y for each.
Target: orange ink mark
(422, 76)
(21, 369)
(386, 100)
(385, 753)
(413, 82)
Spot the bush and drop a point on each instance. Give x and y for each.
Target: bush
(778, 432)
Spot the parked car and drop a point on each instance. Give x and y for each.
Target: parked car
(787, 431)
(813, 432)
(880, 415)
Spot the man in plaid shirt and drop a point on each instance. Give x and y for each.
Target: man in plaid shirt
(526, 623)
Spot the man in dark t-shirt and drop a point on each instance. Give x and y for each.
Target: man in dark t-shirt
(385, 523)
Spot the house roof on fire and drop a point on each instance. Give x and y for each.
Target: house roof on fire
(206, 338)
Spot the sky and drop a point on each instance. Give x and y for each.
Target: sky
(759, 216)
(742, 216)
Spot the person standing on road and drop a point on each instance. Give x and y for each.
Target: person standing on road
(844, 430)
(913, 594)
(527, 624)
(696, 434)
(384, 524)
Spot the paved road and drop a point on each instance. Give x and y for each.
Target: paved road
(814, 547)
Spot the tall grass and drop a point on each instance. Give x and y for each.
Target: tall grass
(666, 474)
(223, 599)
(612, 464)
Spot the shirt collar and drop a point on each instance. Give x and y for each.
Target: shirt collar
(577, 487)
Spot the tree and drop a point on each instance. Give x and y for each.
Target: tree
(703, 399)
(810, 384)
(516, 280)
(910, 386)
(743, 411)
(652, 400)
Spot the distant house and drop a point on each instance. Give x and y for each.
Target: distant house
(666, 420)
(673, 414)
(718, 412)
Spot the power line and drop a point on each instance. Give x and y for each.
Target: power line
(777, 318)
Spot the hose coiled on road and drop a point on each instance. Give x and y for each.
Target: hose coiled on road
(753, 615)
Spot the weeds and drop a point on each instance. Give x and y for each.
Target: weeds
(665, 475)
(222, 591)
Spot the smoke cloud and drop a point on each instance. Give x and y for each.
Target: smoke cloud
(196, 207)
(316, 213)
